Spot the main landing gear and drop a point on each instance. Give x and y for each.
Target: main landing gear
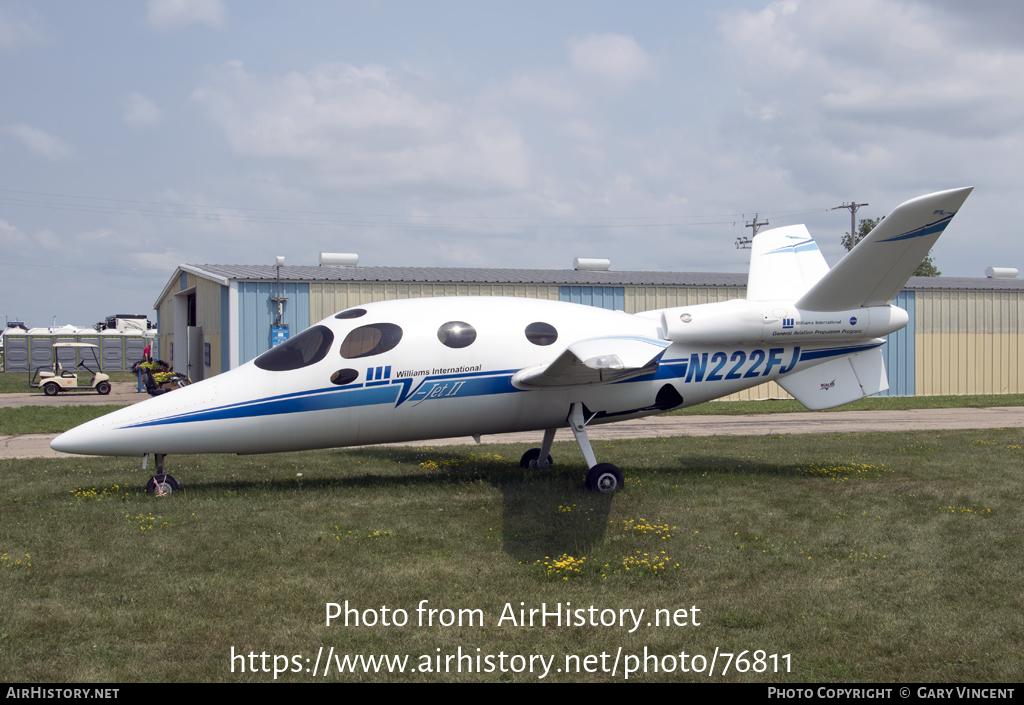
(161, 484)
(539, 457)
(602, 477)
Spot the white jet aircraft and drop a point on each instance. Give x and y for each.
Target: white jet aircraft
(466, 366)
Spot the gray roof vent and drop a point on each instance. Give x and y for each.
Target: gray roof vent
(338, 259)
(1001, 272)
(592, 264)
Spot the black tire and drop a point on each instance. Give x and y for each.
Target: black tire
(531, 456)
(103, 388)
(605, 478)
(164, 482)
(51, 389)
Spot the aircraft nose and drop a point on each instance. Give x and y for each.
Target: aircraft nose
(69, 441)
(81, 440)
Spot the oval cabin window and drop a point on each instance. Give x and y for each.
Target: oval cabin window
(541, 333)
(373, 339)
(351, 313)
(456, 334)
(308, 347)
(343, 377)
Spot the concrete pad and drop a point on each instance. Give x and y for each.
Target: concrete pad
(769, 424)
(29, 445)
(120, 393)
(38, 445)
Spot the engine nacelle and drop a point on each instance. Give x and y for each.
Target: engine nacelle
(740, 321)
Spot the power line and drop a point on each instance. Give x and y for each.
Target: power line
(297, 217)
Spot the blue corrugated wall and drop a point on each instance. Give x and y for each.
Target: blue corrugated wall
(257, 313)
(899, 351)
(609, 297)
(225, 329)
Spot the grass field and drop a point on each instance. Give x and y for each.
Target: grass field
(870, 557)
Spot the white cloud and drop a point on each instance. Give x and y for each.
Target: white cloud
(894, 65)
(615, 57)
(41, 143)
(366, 127)
(16, 32)
(14, 240)
(140, 111)
(94, 236)
(546, 89)
(172, 15)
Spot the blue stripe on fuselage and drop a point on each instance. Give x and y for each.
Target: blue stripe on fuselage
(461, 385)
(473, 384)
(292, 404)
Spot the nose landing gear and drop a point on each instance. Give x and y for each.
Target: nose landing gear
(161, 484)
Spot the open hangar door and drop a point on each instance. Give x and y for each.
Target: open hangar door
(188, 352)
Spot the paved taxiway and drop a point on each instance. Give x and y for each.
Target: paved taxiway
(37, 445)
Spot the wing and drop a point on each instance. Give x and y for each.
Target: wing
(595, 361)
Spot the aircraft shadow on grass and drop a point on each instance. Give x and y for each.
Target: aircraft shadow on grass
(546, 512)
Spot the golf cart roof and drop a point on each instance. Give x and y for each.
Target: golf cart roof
(75, 345)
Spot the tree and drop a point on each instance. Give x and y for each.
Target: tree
(927, 268)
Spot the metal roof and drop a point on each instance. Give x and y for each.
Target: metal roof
(463, 275)
(225, 273)
(971, 283)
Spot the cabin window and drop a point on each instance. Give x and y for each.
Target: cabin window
(352, 313)
(541, 333)
(308, 347)
(346, 376)
(456, 334)
(373, 339)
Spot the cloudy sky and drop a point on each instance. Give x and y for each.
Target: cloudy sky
(136, 136)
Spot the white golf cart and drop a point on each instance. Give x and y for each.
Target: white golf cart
(60, 380)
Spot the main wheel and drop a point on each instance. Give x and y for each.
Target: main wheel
(530, 458)
(162, 484)
(103, 388)
(605, 478)
(51, 389)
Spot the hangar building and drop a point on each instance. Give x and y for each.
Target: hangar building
(965, 336)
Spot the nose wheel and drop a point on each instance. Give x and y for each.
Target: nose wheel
(161, 484)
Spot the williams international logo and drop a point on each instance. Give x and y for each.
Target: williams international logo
(787, 323)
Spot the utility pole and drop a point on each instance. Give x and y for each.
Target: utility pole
(852, 206)
(744, 243)
(755, 226)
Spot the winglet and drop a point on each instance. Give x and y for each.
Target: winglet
(877, 269)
